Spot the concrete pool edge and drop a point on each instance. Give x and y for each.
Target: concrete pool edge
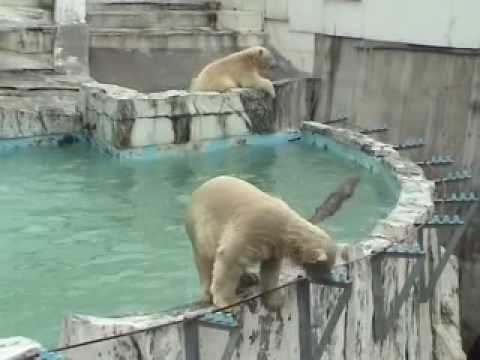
(414, 206)
(123, 121)
(395, 227)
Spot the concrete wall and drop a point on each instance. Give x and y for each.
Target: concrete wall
(428, 22)
(124, 121)
(297, 47)
(70, 11)
(384, 314)
(424, 94)
(429, 94)
(347, 324)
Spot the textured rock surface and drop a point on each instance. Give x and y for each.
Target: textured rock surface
(153, 38)
(470, 288)
(36, 103)
(18, 348)
(24, 15)
(387, 88)
(72, 49)
(70, 12)
(38, 39)
(265, 335)
(162, 342)
(30, 40)
(46, 113)
(125, 118)
(24, 46)
(414, 204)
(446, 314)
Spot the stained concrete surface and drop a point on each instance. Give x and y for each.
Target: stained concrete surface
(424, 93)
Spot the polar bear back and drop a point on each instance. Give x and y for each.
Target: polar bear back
(238, 70)
(227, 202)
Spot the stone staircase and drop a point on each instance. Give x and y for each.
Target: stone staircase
(166, 41)
(156, 24)
(38, 105)
(27, 35)
(36, 100)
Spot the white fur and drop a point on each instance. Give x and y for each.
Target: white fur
(238, 70)
(233, 225)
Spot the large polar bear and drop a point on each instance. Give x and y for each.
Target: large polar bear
(241, 69)
(233, 225)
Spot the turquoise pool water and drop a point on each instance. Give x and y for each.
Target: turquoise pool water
(84, 233)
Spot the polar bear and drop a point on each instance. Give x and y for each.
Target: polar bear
(233, 225)
(241, 69)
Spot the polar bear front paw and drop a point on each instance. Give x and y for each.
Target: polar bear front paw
(270, 89)
(224, 301)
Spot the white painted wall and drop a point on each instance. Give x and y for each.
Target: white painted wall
(70, 11)
(298, 48)
(450, 23)
(291, 24)
(276, 9)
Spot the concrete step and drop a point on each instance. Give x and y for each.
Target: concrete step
(240, 20)
(39, 80)
(38, 113)
(159, 38)
(243, 5)
(150, 5)
(160, 18)
(40, 4)
(224, 19)
(10, 60)
(38, 103)
(27, 40)
(10, 15)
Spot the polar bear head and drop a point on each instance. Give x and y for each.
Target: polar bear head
(312, 246)
(261, 58)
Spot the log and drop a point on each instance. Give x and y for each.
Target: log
(335, 200)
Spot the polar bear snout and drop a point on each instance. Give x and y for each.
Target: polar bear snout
(317, 271)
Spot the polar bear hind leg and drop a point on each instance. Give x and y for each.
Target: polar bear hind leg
(205, 269)
(226, 277)
(228, 267)
(269, 275)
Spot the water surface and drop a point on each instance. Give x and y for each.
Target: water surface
(85, 233)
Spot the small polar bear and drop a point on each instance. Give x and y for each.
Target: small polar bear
(241, 69)
(233, 225)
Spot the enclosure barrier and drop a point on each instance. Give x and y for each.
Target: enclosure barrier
(220, 318)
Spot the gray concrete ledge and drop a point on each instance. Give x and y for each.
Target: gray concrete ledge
(127, 120)
(415, 200)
